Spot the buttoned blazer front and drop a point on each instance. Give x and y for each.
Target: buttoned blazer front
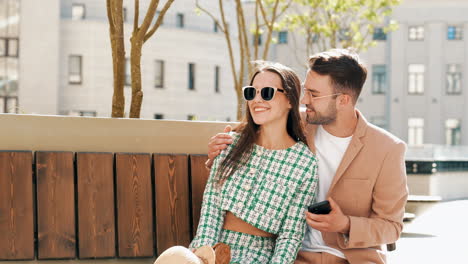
(370, 187)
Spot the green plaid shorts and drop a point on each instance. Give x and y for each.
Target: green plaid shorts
(246, 248)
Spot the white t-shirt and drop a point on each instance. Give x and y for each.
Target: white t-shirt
(330, 151)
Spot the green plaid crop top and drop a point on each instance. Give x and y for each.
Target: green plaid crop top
(271, 192)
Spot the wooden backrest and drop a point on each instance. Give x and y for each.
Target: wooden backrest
(97, 205)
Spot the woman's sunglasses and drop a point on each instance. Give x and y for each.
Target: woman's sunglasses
(267, 93)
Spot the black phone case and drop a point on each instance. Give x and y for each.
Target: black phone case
(320, 208)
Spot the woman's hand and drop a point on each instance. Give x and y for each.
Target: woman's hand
(216, 144)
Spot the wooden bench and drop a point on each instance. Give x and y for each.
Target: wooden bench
(66, 205)
(84, 205)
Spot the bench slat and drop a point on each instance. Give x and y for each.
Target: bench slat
(55, 205)
(172, 201)
(199, 177)
(16, 206)
(134, 205)
(96, 218)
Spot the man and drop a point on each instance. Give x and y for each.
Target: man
(361, 167)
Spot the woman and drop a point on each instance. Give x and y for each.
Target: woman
(260, 186)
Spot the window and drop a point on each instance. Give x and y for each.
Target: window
(159, 74)
(257, 39)
(88, 113)
(8, 47)
(379, 79)
(416, 78)
(416, 33)
(343, 34)
(415, 131)
(454, 76)
(379, 34)
(180, 20)
(216, 80)
(3, 47)
(128, 74)
(191, 117)
(282, 37)
(215, 27)
(158, 116)
(454, 32)
(78, 11)
(452, 132)
(124, 10)
(74, 69)
(191, 77)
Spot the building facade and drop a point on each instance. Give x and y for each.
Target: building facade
(65, 64)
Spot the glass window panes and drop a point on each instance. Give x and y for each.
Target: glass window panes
(454, 32)
(283, 37)
(158, 116)
(180, 23)
(3, 47)
(12, 105)
(379, 79)
(3, 19)
(379, 34)
(453, 79)
(191, 76)
(128, 75)
(216, 79)
(12, 47)
(415, 131)
(13, 17)
(78, 11)
(416, 78)
(74, 69)
(416, 33)
(2, 103)
(12, 77)
(159, 74)
(191, 117)
(453, 132)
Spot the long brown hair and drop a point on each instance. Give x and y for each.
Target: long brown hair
(248, 130)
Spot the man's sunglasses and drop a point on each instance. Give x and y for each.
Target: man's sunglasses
(267, 93)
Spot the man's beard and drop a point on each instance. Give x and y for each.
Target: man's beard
(322, 119)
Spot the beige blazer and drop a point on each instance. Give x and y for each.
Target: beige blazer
(370, 187)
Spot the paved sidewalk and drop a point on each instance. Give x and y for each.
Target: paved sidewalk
(439, 235)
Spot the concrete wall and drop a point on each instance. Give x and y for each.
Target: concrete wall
(39, 59)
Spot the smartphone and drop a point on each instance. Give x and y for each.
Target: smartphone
(320, 208)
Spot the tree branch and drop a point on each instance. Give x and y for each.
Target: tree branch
(137, 13)
(148, 17)
(159, 20)
(210, 15)
(110, 16)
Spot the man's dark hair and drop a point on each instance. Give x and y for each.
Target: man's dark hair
(346, 71)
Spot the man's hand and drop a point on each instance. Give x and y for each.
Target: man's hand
(335, 221)
(218, 143)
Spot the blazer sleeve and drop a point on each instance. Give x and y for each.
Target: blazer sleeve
(385, 223)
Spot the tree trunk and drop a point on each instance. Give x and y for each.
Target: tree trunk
(135, 61)
(240, 102)
(114, 12)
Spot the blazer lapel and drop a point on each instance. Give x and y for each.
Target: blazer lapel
(353, 149)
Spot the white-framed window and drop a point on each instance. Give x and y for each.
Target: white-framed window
(454, 32)
(216, 79)
(75, 69)
(415, 131)
(416, 78)
(159, 74)
(452, 132)
(191, 76)
(379, 79)
(416, 33)
(379, 34)
(282, 37)
(454, 79)
(78, 11)
(180, 23)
